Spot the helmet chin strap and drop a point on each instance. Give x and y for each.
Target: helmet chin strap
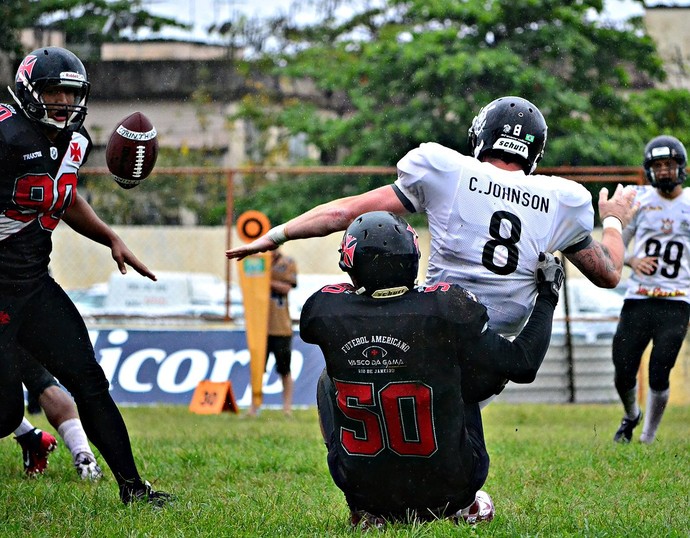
(16, 99)
(666, 186)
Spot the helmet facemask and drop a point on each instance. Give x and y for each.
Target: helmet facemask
(39, 110)
(49, 68)
(665, 147)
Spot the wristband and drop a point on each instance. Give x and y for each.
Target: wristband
(277, 234)
(613, 222)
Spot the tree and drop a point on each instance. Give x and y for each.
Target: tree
(85, 22)
(419, 70)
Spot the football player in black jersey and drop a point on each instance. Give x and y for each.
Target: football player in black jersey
(405, 370)
(42, 146)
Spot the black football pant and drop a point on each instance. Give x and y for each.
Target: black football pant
(45, 323)
(661, 321)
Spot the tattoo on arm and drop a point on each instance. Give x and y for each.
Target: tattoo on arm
(595, 262)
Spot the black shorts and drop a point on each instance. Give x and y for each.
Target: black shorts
(35, 377)
(281, 347)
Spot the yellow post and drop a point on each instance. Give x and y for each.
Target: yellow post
(255, 282)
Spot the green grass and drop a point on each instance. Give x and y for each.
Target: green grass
(554, 472)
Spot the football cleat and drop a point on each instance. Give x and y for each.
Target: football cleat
(482, 509)
(364, 521)
(143, 492)
(36, 445)
(625, 431)
(86, 467)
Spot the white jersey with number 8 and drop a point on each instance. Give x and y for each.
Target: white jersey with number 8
(488, 226)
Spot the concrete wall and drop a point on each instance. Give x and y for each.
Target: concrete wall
(78, 262)
(668, 27)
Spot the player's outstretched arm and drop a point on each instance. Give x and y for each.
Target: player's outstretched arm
(83, 219)
(602, 261)
(322, 220)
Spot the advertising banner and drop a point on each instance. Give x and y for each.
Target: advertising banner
(150, 366)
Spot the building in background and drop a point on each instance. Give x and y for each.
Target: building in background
(668, 26)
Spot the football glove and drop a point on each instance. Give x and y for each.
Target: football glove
(549, 275)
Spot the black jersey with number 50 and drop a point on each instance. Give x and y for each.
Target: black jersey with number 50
(395, 364)
(38, 182)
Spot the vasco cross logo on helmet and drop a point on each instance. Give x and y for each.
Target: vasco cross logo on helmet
(380, 252)
(44, 70)
(347, 249)
(25, 69)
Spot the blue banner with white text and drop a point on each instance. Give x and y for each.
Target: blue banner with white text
(150, 366)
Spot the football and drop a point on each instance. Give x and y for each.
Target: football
(132, 150)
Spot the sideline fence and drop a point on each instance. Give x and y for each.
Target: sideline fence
(79, 263)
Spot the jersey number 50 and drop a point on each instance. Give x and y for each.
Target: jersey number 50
(400, 417)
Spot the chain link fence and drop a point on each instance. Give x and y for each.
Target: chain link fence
(177, 225)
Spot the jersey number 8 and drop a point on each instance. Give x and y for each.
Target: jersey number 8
(508, 243)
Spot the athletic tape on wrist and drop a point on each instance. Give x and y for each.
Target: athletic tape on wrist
(277, 234)
(613, 222)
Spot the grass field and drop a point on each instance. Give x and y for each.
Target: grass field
(554, 472)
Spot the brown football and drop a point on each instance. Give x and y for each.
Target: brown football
(132, 150)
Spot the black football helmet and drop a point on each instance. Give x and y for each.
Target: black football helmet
(511, 125)
(49, 67)
(380, 251)
(665, 147)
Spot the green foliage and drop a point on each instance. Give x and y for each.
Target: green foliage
(419, 70)
(554, 472)
(11, 20)
(163, 198)
(85, 22)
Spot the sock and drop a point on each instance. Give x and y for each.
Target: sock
(72, 432)
(656, 405)
(24, 427)
(629, 399)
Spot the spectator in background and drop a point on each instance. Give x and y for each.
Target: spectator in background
(657, 305)
(405, 370)
(283, 279)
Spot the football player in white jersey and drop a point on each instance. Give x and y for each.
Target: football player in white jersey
(657, 301)
(489, 217)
